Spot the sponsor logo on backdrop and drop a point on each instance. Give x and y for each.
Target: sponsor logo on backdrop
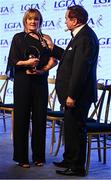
(25, 7)
(48, 24)
(58, 23)
(99, 61)
(4, 43)
(5, 59)
(63, 4)
(51, 24)
(62, 41)
(6, 10)
(102, 3)
(105, 42)
(13, 26)
(9, 91)
(2, 73)
(41, 6)
(98, 22)
(104, 81)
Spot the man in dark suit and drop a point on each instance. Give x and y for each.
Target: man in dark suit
(76, 87)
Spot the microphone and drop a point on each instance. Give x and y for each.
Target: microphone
(66, 30)
(40, 35)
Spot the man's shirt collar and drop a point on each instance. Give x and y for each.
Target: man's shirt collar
(76, 30)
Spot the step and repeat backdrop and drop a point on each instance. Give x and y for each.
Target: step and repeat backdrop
(53, 12)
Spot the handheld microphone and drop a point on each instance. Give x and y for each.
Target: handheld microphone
(40, 35)
(66, 30)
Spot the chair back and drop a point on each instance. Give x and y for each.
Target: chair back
(102, 106)
(3, 87)
(107, 110)
(52, 93)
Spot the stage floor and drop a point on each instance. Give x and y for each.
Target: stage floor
(9, 170)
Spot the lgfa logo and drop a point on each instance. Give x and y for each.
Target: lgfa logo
(12, 26)
(65, 3)
(29, 6)
(9, 91)
(43, 5)
(105, 42)
(4, 43)
(48, 24)
(103, 3)
(96, 23)
(5, 10)
(5, 59)
(62, 41)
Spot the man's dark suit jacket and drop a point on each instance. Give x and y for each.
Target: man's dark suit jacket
(76, 74)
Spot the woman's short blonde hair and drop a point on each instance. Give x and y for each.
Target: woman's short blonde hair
(35, 12)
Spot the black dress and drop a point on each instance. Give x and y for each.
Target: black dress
(30, 100)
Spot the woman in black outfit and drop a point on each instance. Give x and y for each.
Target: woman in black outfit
(30, 60)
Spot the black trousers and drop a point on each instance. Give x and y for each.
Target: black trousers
(30, 100)
(75, 135)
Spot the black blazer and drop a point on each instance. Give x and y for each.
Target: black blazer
(76, 74)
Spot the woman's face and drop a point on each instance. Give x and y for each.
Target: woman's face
(32, 23)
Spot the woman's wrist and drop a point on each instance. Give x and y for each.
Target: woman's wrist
(22, 63)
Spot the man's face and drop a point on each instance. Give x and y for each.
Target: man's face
(70, 23)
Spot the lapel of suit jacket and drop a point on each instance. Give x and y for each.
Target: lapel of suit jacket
(65, 51)
(71, 41)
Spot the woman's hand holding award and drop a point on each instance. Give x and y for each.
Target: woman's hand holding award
(32, 64)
